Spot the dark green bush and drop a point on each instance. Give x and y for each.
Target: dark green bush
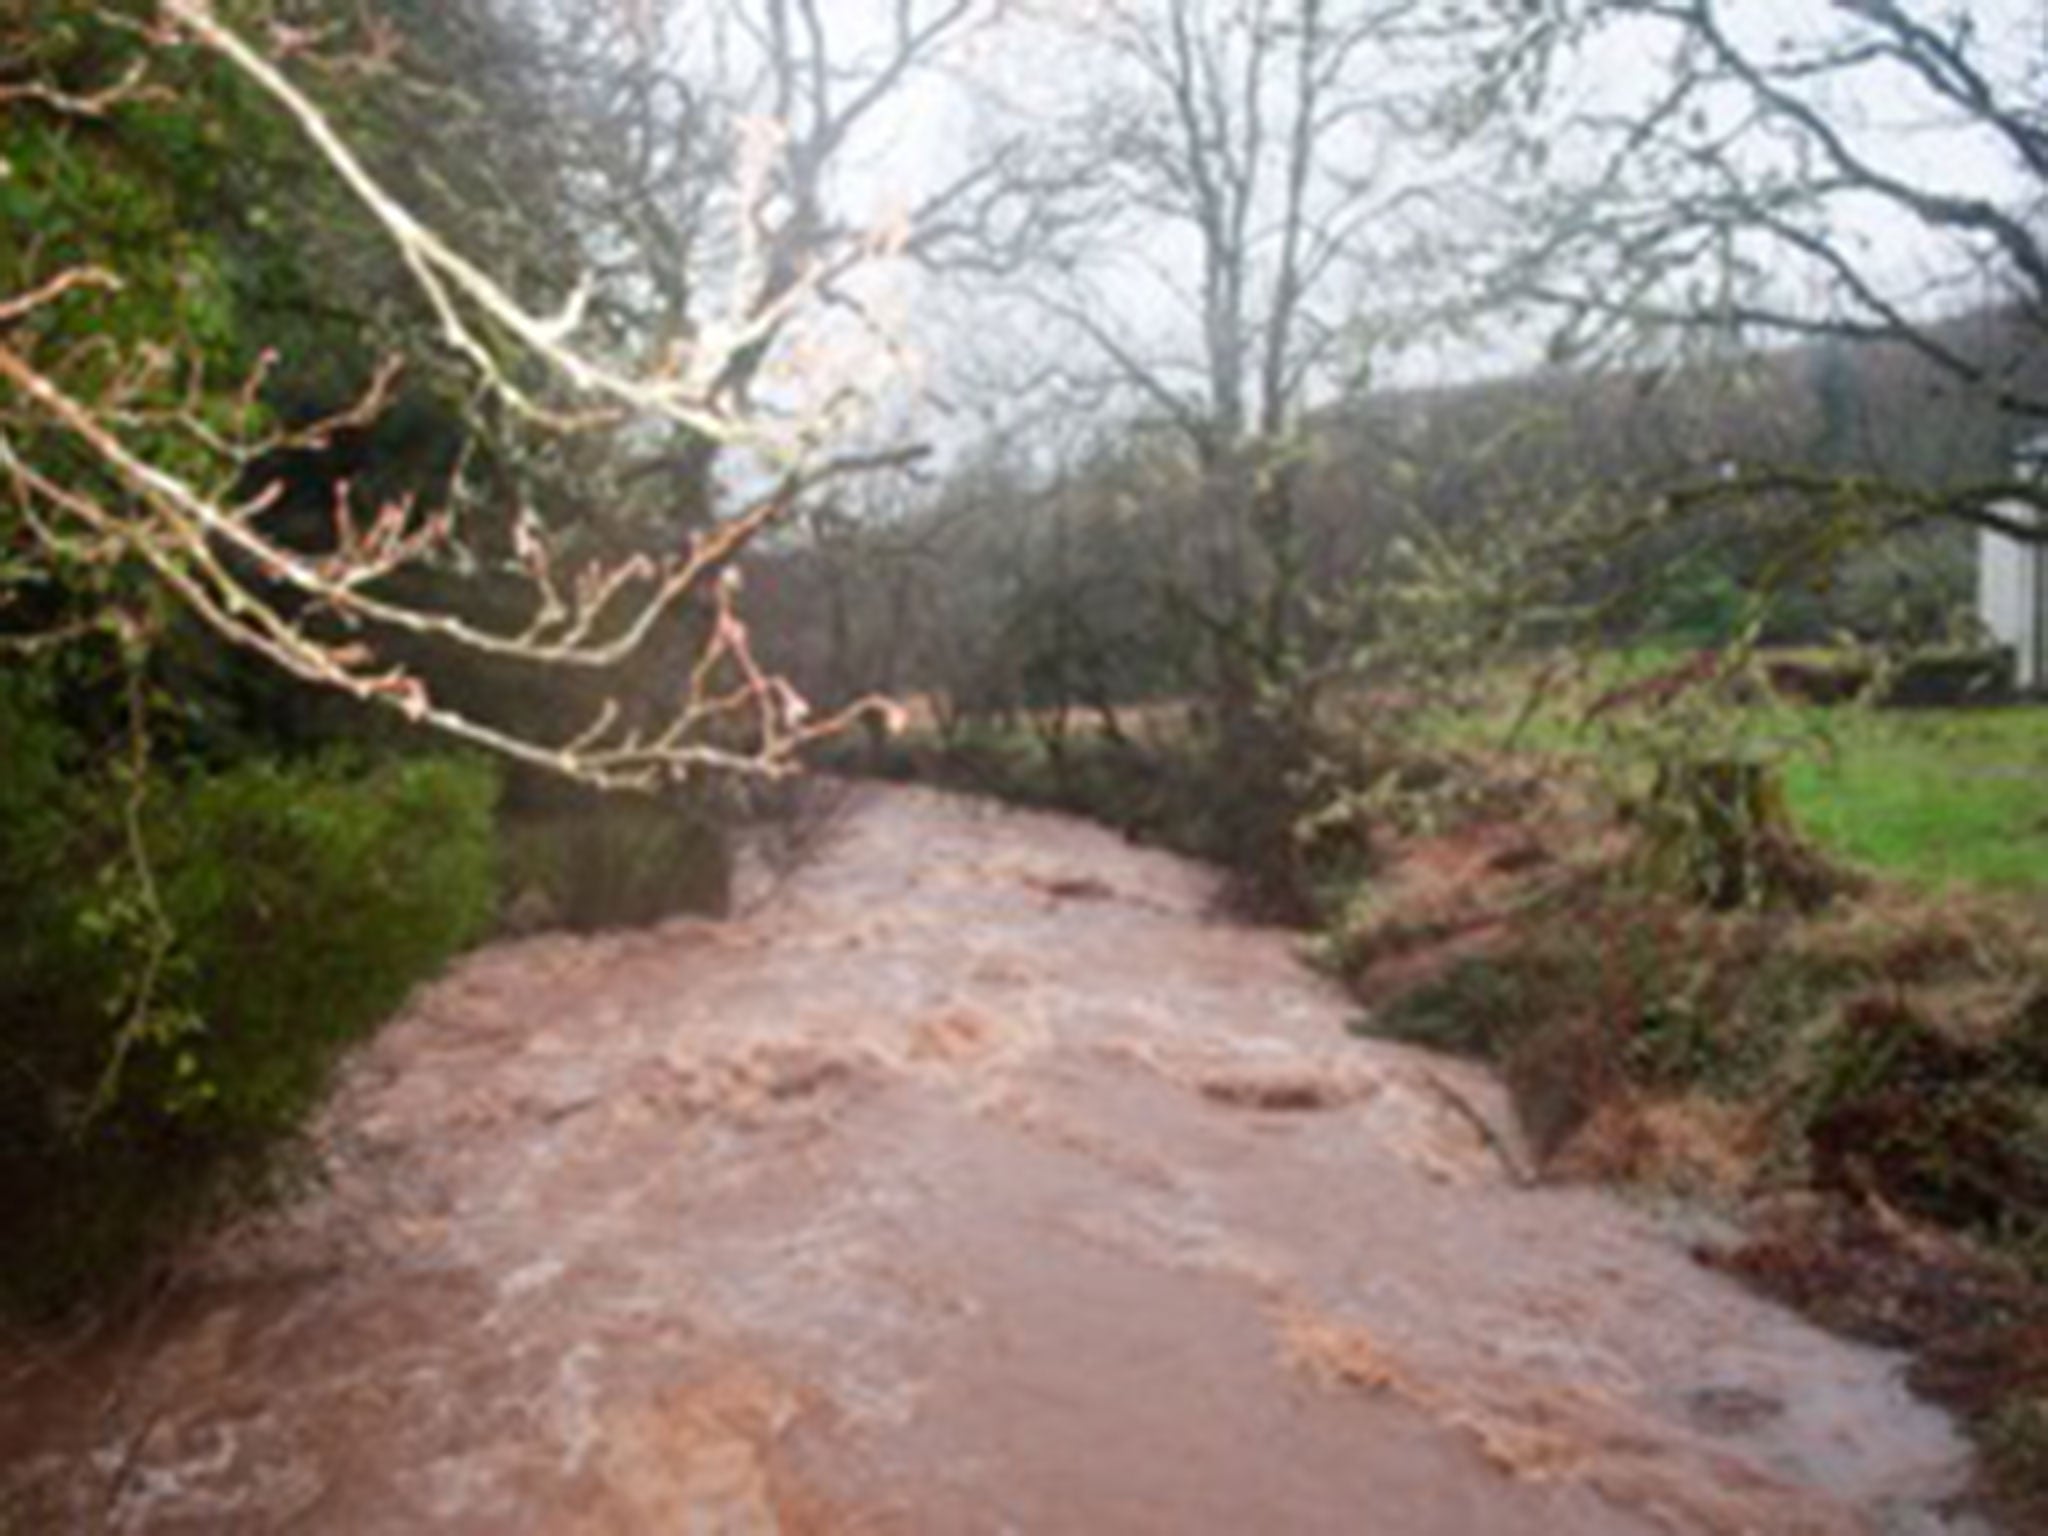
(307, 902)
(300, 903)
(1701, 603)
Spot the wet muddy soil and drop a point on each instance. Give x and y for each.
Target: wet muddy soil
(982, 1181)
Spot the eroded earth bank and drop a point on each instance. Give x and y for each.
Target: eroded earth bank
(978, 1182)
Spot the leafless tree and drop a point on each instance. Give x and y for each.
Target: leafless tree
(1868, 174)
(1248, 184)
(732, 177)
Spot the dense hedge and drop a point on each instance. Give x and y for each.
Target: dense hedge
(308, 900)
(300, 903)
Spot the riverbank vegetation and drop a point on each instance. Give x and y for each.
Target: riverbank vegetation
(347, 560)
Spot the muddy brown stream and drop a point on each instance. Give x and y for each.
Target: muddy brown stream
(980, 1181)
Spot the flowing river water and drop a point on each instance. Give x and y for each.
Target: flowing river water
(979, 1182)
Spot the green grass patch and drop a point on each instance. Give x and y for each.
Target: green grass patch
(1936, 797)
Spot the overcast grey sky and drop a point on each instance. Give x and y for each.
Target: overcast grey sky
(1023, 73)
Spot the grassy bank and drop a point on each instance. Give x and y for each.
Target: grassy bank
(1863, 1086)
(1937, 797)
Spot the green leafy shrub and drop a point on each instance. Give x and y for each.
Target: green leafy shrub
(297, 905)
(307, 902)
(1701, 604)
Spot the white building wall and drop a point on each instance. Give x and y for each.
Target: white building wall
(2012, 598)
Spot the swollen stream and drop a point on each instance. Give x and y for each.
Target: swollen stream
(978, 1183)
